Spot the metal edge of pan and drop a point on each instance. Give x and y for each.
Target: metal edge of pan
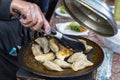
(21, 55)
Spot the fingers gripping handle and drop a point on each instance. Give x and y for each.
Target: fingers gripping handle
(52, 31)
(20, 16)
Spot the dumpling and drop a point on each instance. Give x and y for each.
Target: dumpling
(79, 61)
(36, 50)
(81, 64)
(78, 65)
(62, 63)
(43, 57)
(64, 53)
(87, 47)
(43, 42)
(77, 56)
(53, 45)
(52, 66)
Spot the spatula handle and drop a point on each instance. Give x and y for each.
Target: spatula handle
(56, 33)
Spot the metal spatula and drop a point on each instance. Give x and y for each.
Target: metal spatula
(73, 43)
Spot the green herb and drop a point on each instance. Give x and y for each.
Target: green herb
(63, 10)
(76, 27)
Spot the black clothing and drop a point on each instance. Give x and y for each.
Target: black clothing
(12, 34)
(42, 3)
(8, 66)
(5, 9)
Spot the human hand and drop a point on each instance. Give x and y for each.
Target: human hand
(34, 16)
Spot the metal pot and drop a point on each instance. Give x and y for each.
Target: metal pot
(27, 62)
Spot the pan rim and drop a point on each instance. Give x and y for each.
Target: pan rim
(23, 66)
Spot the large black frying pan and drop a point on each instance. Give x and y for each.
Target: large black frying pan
(28, 62)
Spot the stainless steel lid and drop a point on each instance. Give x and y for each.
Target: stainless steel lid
(93, 14)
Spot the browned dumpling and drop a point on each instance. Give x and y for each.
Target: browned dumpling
(54, 56)
(43, 42)
(62, 63)
(78, 65)
(64, 53)
(43, 57)
(36, 50)
(53, 45)
(77, 56)
(79, 61)
(81, 64)
(52, 66)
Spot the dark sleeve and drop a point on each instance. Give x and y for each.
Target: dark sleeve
(5, 9)
(43, 4)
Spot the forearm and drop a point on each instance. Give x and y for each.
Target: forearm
(5, 9)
